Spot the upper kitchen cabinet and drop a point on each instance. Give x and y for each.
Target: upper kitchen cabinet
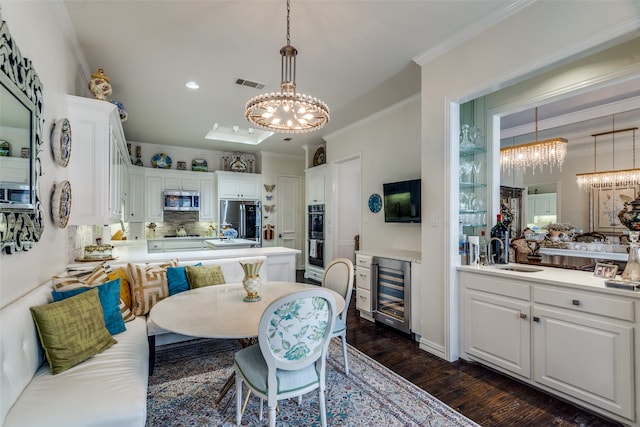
(315, 178)
(238, 186)
(98, 167)
(134, 206)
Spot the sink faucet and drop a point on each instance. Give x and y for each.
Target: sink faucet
(489, 259)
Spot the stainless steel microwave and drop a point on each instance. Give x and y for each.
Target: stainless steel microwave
(15, 195)
(179, 200)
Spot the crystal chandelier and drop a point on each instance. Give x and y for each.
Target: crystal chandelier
(287, 111)
(613, 178)
(549, 152)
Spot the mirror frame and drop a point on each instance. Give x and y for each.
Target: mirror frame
(21, 227)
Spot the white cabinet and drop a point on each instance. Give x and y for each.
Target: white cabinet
(540, 205)
(207, 200)
(99, 162)
(135, 210)
(153, 206)
(315, 178)
(583, 347)
(239, 186)
(181, 183)
(14, 170)
(574, 343)
(495, 323)
(363, 286)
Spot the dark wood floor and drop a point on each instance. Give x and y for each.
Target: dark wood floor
(485, 396)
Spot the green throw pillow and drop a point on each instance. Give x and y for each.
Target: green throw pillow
(206, 275)
(72, 330)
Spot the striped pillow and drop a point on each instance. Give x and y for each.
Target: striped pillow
(148, 285)
(97, 276)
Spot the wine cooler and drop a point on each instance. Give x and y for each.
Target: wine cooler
(391, 285)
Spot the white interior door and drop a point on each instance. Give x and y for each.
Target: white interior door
(347, 208)
(289, 225)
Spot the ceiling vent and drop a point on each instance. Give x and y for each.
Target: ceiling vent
(249, 83)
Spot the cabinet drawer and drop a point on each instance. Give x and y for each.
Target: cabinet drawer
(363, 261)
(363, 280)
(508, 287)
(585, 302)
(363, 300)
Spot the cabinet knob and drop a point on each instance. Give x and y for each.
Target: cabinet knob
(523, 316)
(575, 302)
(536, 319)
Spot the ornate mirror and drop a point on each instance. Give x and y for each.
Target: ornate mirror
(21, 219)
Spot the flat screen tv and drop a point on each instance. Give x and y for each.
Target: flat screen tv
(402, 201)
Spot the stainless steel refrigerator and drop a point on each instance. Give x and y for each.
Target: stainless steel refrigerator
(244, 216)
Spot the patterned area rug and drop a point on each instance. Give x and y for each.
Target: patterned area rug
(188, 377)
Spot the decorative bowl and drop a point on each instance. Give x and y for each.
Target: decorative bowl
(161, 161)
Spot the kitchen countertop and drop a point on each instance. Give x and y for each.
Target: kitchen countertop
(137, 252)
(552, 276)
(400, 254)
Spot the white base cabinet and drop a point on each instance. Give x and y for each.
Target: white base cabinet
(574, 343)
(363, 286)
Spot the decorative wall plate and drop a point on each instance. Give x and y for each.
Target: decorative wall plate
(319, 158)
(375, 203)
(61, 142)
(61, 203)
(161, 161)
(199, 165)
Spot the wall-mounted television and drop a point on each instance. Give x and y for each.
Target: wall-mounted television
(402, 201)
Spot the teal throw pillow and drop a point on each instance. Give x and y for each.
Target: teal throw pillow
(177, 278)
(109, 294)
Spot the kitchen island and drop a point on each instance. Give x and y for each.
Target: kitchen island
(559, 330)
(281, 261)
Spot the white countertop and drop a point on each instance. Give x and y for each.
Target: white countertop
(129, 252)
(402, 255)
(552, 276)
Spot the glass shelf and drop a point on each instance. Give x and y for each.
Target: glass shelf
(472, 211)
(471, 185)
(471, 151)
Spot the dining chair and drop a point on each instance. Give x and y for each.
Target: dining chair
(290, 357)
(338, 276)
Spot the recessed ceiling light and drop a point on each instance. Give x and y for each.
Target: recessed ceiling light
(192, 85)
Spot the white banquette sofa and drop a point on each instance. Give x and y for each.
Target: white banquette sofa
(107, 390)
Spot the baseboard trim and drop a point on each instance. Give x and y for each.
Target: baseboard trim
(433, 348)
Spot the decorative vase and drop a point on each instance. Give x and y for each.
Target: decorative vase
(100, 85)
(629, 216)
(632, 270)
(251, 281)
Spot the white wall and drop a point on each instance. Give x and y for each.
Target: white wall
(389, 145)
(513, 50)
(34, 28)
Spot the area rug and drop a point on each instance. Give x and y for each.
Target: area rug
(188, 377)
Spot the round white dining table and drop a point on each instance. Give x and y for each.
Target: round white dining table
(219, 311)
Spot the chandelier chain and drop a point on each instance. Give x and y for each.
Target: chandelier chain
(288, 23)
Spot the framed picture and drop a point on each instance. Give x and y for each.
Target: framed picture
(182, 166)
(606, 203)
(607, 271)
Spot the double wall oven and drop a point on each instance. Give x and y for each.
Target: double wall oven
(315, 214)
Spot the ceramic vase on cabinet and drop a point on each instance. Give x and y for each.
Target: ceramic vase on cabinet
(630, 218)
(251, 281)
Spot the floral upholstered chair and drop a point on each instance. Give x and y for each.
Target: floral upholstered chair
(290, 357)
(338, 276)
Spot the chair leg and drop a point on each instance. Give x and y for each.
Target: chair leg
(272, 415)
(238, 399)
(344, 354)
(323, 408)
